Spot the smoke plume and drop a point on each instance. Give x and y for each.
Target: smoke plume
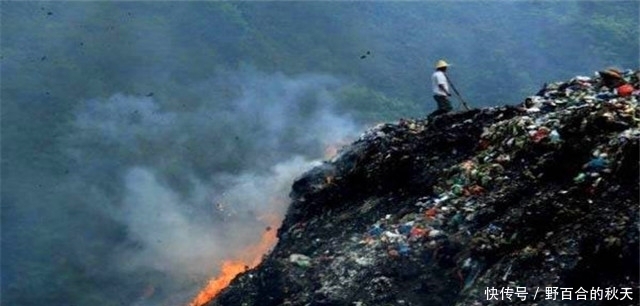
(143, 142)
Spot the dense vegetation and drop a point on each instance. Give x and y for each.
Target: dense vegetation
(57, 235)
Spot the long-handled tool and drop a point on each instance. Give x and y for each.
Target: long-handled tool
(466, 107)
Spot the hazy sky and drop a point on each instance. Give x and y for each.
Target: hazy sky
(125, 124)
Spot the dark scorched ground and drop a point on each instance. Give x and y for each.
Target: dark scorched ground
(434, 213)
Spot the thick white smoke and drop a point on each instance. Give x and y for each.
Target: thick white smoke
(194, 186)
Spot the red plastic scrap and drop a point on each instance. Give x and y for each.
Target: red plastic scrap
(474, 190)
(418, 232)
(540, 134)
(431, 213)
(625, 90)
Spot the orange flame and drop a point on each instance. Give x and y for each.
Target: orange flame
(249, 259)
(229, 271)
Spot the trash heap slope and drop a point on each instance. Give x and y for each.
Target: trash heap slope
(434, 213)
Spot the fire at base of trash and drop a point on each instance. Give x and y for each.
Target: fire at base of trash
(538, 195)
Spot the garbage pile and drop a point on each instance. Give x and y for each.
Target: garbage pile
(511, 205)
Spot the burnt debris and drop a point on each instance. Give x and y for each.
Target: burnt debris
(456, 211)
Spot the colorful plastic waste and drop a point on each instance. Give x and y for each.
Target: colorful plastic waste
(596, 164)
(625, 90)
(376, 230)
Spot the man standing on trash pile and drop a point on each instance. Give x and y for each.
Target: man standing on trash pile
(440, 89)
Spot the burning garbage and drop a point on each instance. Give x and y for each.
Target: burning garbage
(533, 196)
(249, 258)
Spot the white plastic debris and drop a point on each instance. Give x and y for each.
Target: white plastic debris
(300, 260)
(435, 233)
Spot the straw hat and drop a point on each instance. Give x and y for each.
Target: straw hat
(441, 64)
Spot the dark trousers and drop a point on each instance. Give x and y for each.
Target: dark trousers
(444, 106)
